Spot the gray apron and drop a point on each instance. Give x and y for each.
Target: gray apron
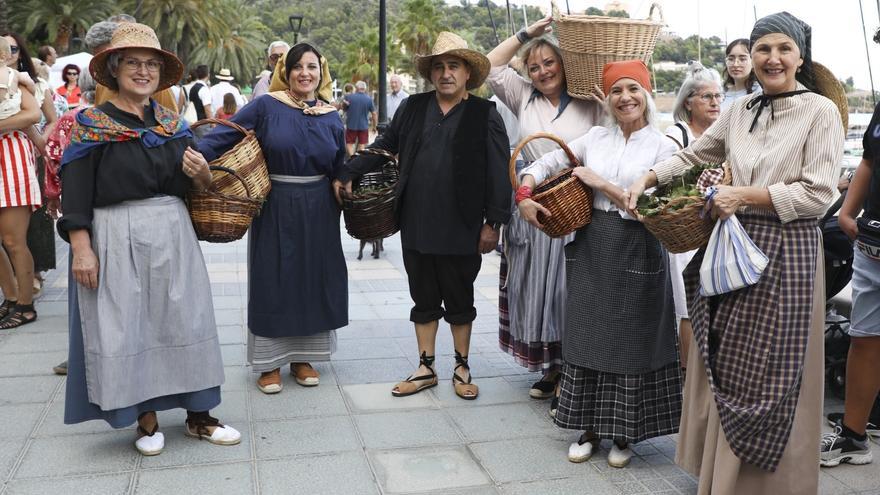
(620, 317)
(148, 329)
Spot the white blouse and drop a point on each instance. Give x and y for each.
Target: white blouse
(539, 115)
(605, 151)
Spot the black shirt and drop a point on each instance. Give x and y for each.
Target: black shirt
(121, 171)
(871, 145)
(430, 222)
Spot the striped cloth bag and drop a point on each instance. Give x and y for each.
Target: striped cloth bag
(732, 260)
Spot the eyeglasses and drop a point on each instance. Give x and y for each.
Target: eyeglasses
(133, 64)
(13, 49)
(274, 57)
(71, 73)
(737, 58)
(708, 97)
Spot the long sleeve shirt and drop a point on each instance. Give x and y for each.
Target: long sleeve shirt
(794, 151)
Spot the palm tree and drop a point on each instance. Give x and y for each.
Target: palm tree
(239, 49)
(61, 18)
(182, 25)
(416, 28)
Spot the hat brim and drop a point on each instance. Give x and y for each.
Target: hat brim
(224, 78)
(172, 71)
(829, 86)
(478, 63)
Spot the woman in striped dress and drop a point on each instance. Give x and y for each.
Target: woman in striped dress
(531, 301)
(753, 394)
(19, 196)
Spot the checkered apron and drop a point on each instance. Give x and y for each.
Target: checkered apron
(753, 340)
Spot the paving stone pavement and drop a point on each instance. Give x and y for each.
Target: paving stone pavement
(346, 436)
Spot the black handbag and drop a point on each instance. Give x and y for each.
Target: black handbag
(868, 241)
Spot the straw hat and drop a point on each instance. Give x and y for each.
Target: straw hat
(133, 35)
(829, 86)
(452, 44)
(225, 75)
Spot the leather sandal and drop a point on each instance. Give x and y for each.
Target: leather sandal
(6, 307)
(18, 317)
(464, 389)
(410, 387)
(151, 442)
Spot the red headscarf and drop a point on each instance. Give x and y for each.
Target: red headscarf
(633, 69)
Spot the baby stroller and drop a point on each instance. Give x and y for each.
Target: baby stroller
(838, 272)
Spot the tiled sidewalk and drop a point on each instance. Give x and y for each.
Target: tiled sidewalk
(347, 436)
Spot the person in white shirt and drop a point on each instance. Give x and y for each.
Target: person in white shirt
(396, 96)
(276, 50)
(219, 90)
(199, 93)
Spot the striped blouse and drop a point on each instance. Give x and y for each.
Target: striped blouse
(794, 151)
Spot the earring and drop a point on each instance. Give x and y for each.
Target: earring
(798, 69)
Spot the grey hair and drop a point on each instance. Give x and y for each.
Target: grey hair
(650, 110)
(697, 77)
(276, 44)
(526, 51)
(100, 34)
(41, 68)
(360, 85)
(119, 18)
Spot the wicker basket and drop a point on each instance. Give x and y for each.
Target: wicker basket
(219, 217)
(569, 200)
(588, 42)
(246, 159)
(369, 214)
(683, 230)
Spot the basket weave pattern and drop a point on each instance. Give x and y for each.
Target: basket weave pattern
(246, 159)
(683, 230)
(369, 211)
(589, 42)
(569, 200)
(219, 217)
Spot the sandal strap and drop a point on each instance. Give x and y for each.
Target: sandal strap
(25, 308)
(16, 317)
(201, 421)
(426, 360)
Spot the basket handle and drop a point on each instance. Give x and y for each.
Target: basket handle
(379, 152)
(232, 173)
(227, 123)
(659, 8)
(514, 181)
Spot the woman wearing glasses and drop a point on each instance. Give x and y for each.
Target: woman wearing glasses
(739, 77)
(697, 107)
(70, 89)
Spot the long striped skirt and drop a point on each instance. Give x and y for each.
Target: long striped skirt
(18, 177)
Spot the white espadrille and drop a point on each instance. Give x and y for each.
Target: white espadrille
(150, 445)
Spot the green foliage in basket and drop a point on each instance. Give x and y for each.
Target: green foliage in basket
(684, 185)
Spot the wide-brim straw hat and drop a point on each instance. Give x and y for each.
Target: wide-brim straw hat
(452, 44)
(134, 35)
(225, 75)
(829, 86)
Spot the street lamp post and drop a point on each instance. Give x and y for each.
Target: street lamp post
(383, 69)
(296, 22)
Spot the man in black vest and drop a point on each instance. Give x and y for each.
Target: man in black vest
(452, 197)
(200, 96)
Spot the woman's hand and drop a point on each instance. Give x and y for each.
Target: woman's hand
(540, 27)
(196, 168)
(588, 177)
(725, 202)
(529, 209)
(341, 190)
(636, 189)
(849, 226)
(85, 267)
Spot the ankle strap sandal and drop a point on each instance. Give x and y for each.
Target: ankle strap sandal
(409, 387)
(21, 314)
(464, 389)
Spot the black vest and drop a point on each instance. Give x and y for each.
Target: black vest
(468, 150)
(196, 101)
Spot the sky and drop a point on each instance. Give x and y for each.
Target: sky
(838, 42)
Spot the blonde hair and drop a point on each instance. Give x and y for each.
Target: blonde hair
(532, 45)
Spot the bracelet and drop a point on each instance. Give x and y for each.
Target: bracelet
(524, 192)
(523, 36)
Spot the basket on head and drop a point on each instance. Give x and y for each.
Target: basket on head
(682, 230)
(588, 42)
(369, 211)
(569, 200)
(219, 217)
(246, 159)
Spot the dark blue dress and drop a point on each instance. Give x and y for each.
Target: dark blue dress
(298, 281)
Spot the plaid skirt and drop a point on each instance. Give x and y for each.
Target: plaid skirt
(629, 408)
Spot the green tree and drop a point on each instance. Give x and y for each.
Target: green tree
(61, 18)
(417, 27)
(617, 13)
(240, 48)
(595, 11)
